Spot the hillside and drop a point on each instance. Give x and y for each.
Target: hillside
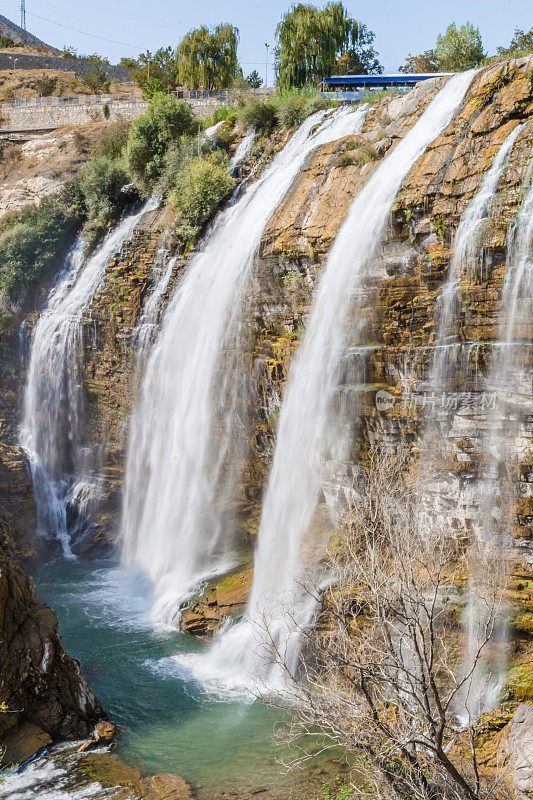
(15, 32)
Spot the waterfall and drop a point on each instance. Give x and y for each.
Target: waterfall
(467, 255)
(184, 442)
(53, 405)
(309, 432)
(242, 151)
(510, 386)
(148, 321)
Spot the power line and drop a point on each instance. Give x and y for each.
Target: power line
(86, 33)
(112, 41)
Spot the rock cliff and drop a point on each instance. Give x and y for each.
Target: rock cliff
(43, 695)
(396, 305)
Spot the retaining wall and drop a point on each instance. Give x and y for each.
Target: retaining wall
(69, 114)
(28, 117)
(78, 65)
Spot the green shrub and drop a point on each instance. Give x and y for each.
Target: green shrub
(179, 153)
(259, 114)
(222, 114)
(165, 120)
(365, 153)
(199, 188)
(95, 80)
(101, 184)
(31, 241)
(292, 110)
(45, 86)
(114, 140)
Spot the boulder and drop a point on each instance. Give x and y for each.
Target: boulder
(106, 732)
(167, 787)
(520, 745)
(23, 742)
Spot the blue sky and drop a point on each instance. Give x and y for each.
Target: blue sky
(135, 25)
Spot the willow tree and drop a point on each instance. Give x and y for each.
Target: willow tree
(312, 43)
(207, 57)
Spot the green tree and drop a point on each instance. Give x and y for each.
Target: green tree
(520, 45)
(128, 62)
(425, 62)
(311, 41)
(459, 49)
(456, 50)
(166, 119)
(254, 79)
(96, 80)
(157, 71)
(207, 57)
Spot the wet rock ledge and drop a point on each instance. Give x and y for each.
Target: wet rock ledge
(43, 695)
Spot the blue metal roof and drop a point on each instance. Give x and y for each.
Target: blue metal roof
(372, 81)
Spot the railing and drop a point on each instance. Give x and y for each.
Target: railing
(77, 99)
(223, 95)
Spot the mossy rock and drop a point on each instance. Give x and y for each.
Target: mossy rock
(520, 680)
(523, 623)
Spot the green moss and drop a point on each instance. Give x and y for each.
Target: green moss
(520, 681)
(523, 622)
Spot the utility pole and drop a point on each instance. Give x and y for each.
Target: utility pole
(148, 53)
(266, 65)
(23, 18)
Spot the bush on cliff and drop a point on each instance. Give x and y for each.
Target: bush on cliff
(176, 158)
(286, 109)
(259, 114)
(200, 186)
(101, 185)
(32, 241)
(165, 120)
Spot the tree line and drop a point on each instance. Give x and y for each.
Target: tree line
(311, 43)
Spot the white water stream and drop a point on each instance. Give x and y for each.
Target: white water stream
(309, 432)
(186, 431)
(242, 151)
(506, 441)
(147, 326)
(53, 406)
(467, 256)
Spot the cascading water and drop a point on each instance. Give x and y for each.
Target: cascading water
(467, 256)
(52, 424)
(184, 441)
(242, 151)
(147, 325)
(309, 431)
(505, 441)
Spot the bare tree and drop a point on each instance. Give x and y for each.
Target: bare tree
(381, 675)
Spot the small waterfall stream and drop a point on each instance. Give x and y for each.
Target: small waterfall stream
(242, 151)
(146, 329)
(53, 406)
(482, 689)
(309, 430)
(505, 442)
(184, 442)
(467, 255)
